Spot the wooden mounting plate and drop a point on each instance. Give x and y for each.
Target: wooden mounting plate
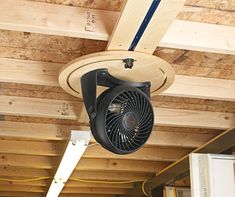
(146, 68)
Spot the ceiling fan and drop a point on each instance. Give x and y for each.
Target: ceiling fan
(124, 76)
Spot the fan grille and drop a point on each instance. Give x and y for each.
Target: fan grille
(129, 120)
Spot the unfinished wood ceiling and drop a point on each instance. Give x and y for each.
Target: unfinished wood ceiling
(36, 115)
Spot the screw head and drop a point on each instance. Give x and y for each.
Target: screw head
(129, 62)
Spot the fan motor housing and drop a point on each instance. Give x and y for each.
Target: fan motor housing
(122, 117)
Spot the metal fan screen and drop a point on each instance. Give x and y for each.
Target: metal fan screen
(129, 120)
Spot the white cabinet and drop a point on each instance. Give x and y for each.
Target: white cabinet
(212, 175)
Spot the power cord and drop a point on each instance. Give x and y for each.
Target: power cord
(81, 180)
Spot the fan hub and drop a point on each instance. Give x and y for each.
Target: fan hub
(130, 121)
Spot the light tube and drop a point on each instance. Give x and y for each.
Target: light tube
(75, 149)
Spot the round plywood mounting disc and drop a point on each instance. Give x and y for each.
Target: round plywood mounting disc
(146, 68)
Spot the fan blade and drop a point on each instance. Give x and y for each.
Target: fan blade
(143, 24)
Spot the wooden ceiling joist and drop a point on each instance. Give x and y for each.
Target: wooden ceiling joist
(17, 193)
(31, 194)
(23, 173)
(94, 190)
(25, 161)
(19, 188)
(70, 110)
(73, 184)
(45, 18)
(133, 16)
(28, 173)
(87, 190)
(200, 37)
(50, 149)
(44, 73)
(202, 87)
(97, 24)
(56, 132)
(88, 195)
(86, 164)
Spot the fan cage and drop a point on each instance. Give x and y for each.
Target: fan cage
(129, 120)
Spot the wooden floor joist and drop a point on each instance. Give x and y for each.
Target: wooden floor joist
(87, 190)
(23, 173)
(98, 24)
(87, 175)
(86, 164)
(200, 37)
(56, 132)
(132, 16)
(55, 149)
(16, 188)
(31, 194)
(202, 87)
(72, 184)
(48, 108)
(16, 194)
(43, 73)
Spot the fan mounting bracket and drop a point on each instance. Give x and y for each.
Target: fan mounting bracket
(129, 66)
(102, 77)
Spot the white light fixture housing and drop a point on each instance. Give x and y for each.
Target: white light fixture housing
(75, 149)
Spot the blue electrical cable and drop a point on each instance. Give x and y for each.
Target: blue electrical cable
(144, 24)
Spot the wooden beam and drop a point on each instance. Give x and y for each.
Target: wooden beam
(193, 118)
(98, 24)
(55, 149)
(159, 25)
(200, 37)
(56, 132)
(39, 189)
(132, 17)
(95, 190)
(17, 173)
(61, 109)
(29, 72)
(71, 184)
(24, 173)
(40, 108)
(19, 188)
(17, 193)
(110, 175)
(220, 143)
(42, 183)
(37, 131)
(201, 87)
(31, 194)
(56, 19)
(25, 161)
(145, 153)
(86, 164)
(44, 73)
(31, 148)
(88, 195)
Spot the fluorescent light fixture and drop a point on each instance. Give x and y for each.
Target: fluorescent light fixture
(75, 149)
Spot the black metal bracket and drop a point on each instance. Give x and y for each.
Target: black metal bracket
(101, 77)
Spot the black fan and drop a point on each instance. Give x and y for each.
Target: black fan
(122, 119)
